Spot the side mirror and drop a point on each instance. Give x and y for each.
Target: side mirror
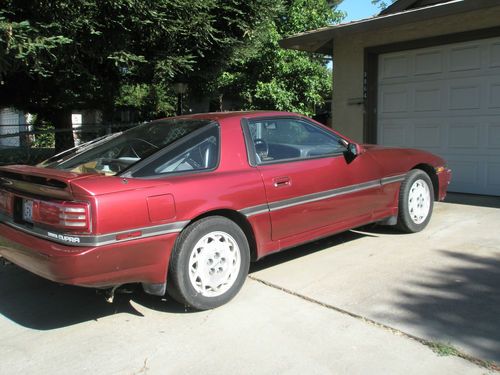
(352, 148)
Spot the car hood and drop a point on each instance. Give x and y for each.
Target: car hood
(372, 147)
(402, 159)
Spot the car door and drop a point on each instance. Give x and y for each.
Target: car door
(309, 181)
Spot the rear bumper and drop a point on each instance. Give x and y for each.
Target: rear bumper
(142, 260)
(444, 178)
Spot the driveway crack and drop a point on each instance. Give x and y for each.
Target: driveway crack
(430, 344)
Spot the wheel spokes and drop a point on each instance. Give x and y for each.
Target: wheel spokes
(214, 264)
(419, 200)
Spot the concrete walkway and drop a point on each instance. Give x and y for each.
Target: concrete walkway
(440, 285)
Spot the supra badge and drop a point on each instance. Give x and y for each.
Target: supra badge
(62, 237)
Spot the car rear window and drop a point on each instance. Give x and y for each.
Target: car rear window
(117, 152)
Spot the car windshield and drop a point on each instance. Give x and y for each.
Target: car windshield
(114, 153)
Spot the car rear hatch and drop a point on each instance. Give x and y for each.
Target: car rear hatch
(41, 201)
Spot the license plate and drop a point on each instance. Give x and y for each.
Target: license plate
(28, 210)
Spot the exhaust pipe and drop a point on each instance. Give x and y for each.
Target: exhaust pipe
(109, 294)
(4, 261)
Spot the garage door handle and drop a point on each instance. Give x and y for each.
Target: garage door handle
(281, 181)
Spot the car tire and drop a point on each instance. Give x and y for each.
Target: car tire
(416, 201)
(209, 263)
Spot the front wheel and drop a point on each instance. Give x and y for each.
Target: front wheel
(209, 263)
(415, 202)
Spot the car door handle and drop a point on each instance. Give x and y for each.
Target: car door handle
(281, 181)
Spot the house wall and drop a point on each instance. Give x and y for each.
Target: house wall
(348, 54)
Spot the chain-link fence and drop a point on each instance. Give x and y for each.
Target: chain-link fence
(25, 144)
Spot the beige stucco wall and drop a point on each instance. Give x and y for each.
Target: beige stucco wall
(348, 56)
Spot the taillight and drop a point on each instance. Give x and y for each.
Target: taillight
(5, 202)
(68, 216)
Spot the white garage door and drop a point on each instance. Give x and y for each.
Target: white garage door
(446, 99)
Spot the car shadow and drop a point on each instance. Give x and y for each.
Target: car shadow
(306, 249)
(459, 305)
(37, 303)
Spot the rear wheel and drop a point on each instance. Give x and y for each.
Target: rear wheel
(209, 263)
(415, 202)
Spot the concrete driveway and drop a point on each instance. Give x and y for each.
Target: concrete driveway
(363, 302)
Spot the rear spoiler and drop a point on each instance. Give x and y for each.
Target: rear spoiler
(38, 181)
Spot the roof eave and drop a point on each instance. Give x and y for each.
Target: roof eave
(321, 40)
(397, 6)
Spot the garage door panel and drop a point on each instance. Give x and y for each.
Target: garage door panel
(494, 95)
(427, 63)
(428, 136)
(493, 141)
(465, 58)
(493, 174)
(463, 136)
(395, 134)
(465, 95)
(446, 99)
(495, 55)
(395, 66)
(395, 100)
(427, 99)
(464, 172)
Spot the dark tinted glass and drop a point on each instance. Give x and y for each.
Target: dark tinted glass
(115, 153)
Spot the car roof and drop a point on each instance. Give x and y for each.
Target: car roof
(235, 114)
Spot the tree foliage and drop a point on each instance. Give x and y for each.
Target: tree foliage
(60, 55)
(264, 76)
(382, 4)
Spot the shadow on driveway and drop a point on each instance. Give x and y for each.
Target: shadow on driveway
(473, 200)
(458, 305)
(305, 250)
(36, 303)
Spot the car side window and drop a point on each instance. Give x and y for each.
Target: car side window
(284, 139)
(196, 153)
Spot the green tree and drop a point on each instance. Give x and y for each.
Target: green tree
(382, 4)
(59, 55)
(264, 76)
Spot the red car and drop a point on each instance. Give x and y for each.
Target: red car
(184, 204)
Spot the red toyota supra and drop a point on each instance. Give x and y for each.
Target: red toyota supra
(183, 205)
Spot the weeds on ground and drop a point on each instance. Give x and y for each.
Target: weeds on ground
(443, 350)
